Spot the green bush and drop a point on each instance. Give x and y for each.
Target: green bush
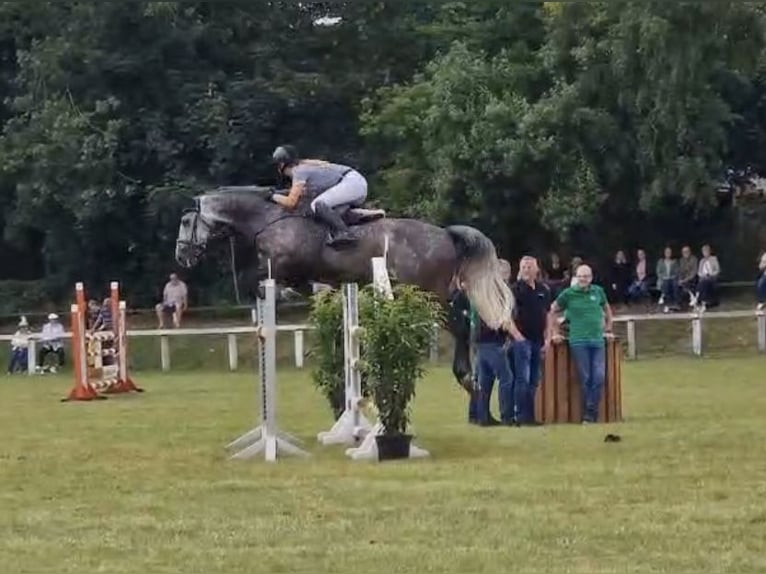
(396, 337)
(327, 348)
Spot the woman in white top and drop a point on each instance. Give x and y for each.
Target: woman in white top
(709, 269)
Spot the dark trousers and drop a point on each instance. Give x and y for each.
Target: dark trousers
(638, 290)
(18, 360)
(527, 362)
(46, 350)
(761, 289)
(590, 361)
(706, 288)
(669, 290)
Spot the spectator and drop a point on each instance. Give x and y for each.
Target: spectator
(51, 342)
(93, 311)
(709, 270)
(761, 284)
(103, 320)
(492, 359)
(555, 274)
(19, 348)
(532, 303)
(687, 272)
(590, 318)
(639, 288)
(572, 274)
(174, 300)
(619, 278)
(667, 280)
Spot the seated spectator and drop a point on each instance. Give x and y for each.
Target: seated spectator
(761, 284)
(92, 315)
(667, 280)
(103, 320)
(639, 287)
(50, 342)
(174, 300)
(19, 348)
(708, 272)
(619, 278)
(687, 273)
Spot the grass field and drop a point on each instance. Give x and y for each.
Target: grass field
(141, 483)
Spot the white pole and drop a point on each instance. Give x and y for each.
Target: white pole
(697, 336)
(233, 352)
(298, 346)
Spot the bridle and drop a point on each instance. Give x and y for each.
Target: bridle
(193, 244)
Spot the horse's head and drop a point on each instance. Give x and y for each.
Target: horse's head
(219, 214)
(193, 234)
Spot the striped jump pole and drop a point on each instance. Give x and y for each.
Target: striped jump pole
(89, 350)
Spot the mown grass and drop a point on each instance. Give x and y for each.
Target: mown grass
(142, 484)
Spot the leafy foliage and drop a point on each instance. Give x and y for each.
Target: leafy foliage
(396, 335)
(538, 122)
(328, 349)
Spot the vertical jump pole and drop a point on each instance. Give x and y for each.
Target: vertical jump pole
(266, 438)
(368, 449)
(352, 423)
(82, 390)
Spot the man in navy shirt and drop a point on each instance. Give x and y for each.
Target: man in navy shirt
(533, 301)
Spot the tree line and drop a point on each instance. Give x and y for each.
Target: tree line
(589, 125)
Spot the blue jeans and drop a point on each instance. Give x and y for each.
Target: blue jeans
(761, 289)
(669, 289)
(527, 361)
(638, 290)
(590, 361)
(18, 360)
(493, 364)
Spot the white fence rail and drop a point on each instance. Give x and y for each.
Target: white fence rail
(697, 321)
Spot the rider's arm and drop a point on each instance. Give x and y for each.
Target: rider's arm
(290, 200)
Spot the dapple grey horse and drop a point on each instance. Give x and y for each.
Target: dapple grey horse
(432, 258)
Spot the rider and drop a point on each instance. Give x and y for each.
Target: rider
(330, 184)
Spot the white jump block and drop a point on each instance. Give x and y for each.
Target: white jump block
(347, 429)
(368, 450)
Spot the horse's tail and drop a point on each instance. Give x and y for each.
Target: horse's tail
(479, 271)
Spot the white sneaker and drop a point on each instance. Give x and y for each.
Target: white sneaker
(661, 302)
(760, 306)
(693, 300)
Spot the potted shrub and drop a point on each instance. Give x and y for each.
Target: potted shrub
(396, 337)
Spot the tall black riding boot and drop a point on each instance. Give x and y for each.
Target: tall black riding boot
(340, 231)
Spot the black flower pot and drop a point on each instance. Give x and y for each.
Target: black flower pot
(393, 447)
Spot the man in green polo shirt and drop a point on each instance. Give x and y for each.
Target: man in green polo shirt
(590, 319)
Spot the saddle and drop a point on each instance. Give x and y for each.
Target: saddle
(358, 215)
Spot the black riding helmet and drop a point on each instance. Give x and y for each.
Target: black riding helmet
(285, 156)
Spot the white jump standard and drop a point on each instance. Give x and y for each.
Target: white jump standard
(266, 438)
(352, 424)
